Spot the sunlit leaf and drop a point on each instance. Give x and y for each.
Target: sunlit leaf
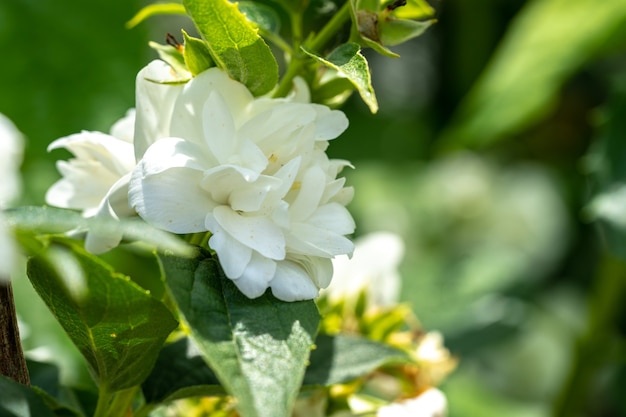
(154, 10)
(347, 60)
(115, 324)
(258, 348)
(235, 44)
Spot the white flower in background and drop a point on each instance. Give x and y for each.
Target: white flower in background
(11, 148)
(253, 172)
(430, 403)
(373, 267)
(434, 358)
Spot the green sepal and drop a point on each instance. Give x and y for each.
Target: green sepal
(154, 10)
(396, 31)
(196, 55)
(347, 60)
(235, 44)
(365, 29)
(117, 326)
(258, 348)
(414, 10)
(173, 57)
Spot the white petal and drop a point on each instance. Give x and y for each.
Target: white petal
(319, 269)
(172, 153)
(334, 217)
(235, 186)
(330, 123)
(310, 240)
(114, 155)
(252, 197)
(113, 207)
(256, 232)
(275, 126)
(292, 283)
(154, 104)
(287, 174)
(83, 186)
(233, 255)
(300, 92)
(219, 127)
(124, 129)
(11, 146)
(311, 191)
(189, 106)
(171, 200)
(255, 279)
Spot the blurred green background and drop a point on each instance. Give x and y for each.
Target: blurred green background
(499, 154)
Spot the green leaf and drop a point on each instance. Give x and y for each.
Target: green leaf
(63, 400)
(179, 372)
(196, 54)
(17, 400)
(547, 42)
(48, 220)
(396, 31)
(55, 406)
(257, 348)
(113, 322)
(347, 60)
(235, 44)
(340, 359)
(154, 10)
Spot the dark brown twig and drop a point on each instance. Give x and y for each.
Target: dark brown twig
(12, 361)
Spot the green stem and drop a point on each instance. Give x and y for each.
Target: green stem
(144, 410)
(315, 44)
(104, 400)
(122, 401)
(593, 348)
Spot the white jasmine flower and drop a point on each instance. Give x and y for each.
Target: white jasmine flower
(11, 147)
(96, 179)
(254, 173)
(431, 403)
(373, 268)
